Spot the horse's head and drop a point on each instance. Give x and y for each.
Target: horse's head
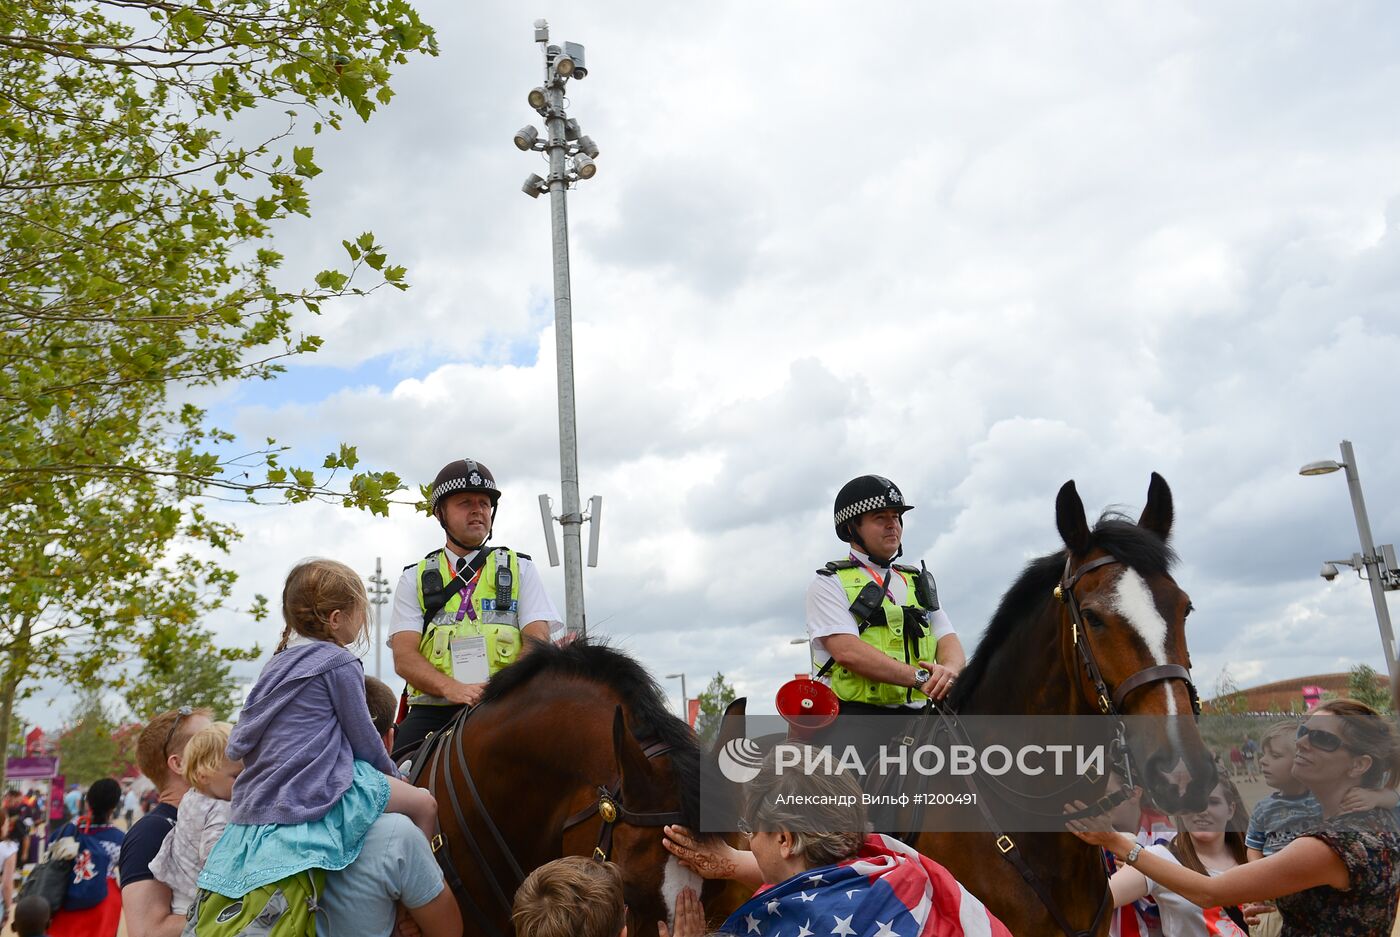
(652, 777)
(1131, 629)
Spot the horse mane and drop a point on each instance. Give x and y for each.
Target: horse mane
(1117, 533)
(649, 715)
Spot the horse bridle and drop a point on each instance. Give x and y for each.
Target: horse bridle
(610, 809)
(608, 806)
(1111, 704)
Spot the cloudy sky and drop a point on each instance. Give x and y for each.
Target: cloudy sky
(978, 248)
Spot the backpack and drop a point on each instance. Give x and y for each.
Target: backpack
(285, 908)
(48, 880)
(87, 888)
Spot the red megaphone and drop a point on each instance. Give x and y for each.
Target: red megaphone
(808, 706)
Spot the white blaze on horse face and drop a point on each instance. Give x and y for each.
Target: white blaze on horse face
(1134, 603)
(674, 878)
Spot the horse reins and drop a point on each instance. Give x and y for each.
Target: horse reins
(608, 806)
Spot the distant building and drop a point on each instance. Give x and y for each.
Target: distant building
(1284, 695)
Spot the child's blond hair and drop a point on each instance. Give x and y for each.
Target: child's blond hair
(205, 754)
(571, 897)
(313, 590)
(1279, 738)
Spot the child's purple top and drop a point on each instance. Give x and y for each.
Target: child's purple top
(301, 730)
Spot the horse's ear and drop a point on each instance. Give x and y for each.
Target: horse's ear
(1157, 516)
(631, 760)
(731, 724)
(1069, 517)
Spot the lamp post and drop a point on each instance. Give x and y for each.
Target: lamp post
(571, 158)
(379, 593)
(685, 700)
(1378, 568)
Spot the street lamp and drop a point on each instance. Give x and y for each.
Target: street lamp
(571, 156)
(1377, 566)
(379, 593)
(685, 700)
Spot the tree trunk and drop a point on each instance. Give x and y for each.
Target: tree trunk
(15, 668)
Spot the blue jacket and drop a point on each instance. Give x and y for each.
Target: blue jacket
(303, 727)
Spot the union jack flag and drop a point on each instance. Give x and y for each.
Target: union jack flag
(887, 890)
(84, 867)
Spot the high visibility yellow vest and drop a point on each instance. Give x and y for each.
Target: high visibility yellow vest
(495, 617)
(888, 636)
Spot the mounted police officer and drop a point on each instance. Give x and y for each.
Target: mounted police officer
(464, 611)
(877, 631)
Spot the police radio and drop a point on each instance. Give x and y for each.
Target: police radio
(503, 580)
(925, 589)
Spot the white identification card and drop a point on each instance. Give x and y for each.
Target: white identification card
(469, 659)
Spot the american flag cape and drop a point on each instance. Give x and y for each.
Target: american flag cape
(887, 890)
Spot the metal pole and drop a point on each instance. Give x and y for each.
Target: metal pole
(685, 697)
(379, 593)
(572, 518)
(1374, 568)
(378, 624)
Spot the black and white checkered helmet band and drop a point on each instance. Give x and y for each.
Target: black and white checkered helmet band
(472, 483)
(866, 505)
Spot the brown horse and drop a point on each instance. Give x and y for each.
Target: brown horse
(1097, 628)
(572, 751)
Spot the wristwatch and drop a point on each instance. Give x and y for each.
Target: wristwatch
(1133, 853)
(921, 676)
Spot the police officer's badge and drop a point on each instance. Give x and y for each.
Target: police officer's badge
(893, 495)
(475, 479)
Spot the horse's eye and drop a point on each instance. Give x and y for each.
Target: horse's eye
(1093, 620)
(1189, 609)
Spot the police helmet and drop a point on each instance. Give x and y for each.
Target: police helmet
(464, 475)
(863, 495)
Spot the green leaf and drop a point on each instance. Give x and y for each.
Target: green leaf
(301, 157)
(331, 280)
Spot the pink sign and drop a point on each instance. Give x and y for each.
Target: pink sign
(1312, 695)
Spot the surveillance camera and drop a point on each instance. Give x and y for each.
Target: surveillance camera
(1329, 571)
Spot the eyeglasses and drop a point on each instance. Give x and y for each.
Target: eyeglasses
(1321, 739)
(180, 715)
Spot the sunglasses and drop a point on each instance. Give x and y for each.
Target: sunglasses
(1321, 739)
(180, 715)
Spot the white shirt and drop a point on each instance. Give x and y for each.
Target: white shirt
(829, 612)
(1181, 918)
(535, 604)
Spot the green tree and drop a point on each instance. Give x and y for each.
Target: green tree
(89, 747)
(1366, 686)
(1228, 699)
(169, 677)
(138, 198)
(717, 695)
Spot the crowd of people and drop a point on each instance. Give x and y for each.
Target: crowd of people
(301, 803)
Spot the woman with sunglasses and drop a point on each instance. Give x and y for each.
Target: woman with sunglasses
(1339, 880)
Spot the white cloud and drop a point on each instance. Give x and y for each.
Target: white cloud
(979, 250)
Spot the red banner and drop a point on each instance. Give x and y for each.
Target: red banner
(692, 711)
